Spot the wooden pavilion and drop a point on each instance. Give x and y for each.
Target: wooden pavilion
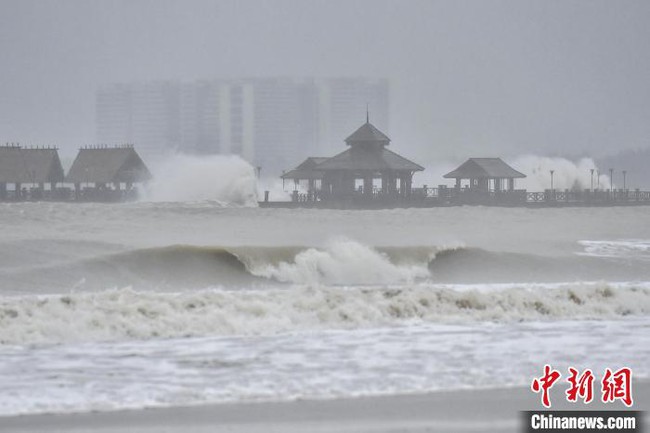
(485, 175)
(366, 160)
(489, 178)
(104, 170)
(306, 171)
(35, 167)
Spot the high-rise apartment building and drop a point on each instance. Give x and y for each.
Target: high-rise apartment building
(271, 122)
(144, 113)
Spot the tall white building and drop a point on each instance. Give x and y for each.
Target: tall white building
(271, 122)
(146, 114)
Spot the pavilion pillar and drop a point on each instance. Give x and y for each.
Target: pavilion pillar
(3, 191)
(511, 184)
(389, 183)
(408, 181)
(458, 183)
(367, 186)
(311, 185)
(77, 190)
(18, 189)
(404, 185)
(349, 185)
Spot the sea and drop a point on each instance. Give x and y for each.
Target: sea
(154, 304)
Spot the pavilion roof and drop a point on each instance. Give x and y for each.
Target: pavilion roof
(367, 133)
(484, 168)
(368, 158)
(306, 170)
(108, 165)
(30, 165)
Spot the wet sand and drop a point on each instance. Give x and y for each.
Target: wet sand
(457, 411)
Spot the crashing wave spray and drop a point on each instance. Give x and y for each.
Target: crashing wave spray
(566, 174)
(342, 261)
(226, 179)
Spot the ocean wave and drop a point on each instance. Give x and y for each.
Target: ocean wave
(638, 249)
(341, 262)
(126, 314)
(178, 267)
(338, 262)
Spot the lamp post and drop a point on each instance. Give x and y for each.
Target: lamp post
(552, 171)
(624, 179)
(611, 179)
(598, 176)
(592, 179)
(552, 192)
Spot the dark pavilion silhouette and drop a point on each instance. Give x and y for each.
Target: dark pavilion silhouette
(367, 171)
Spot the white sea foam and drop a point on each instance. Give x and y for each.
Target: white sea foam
(315, 364)
(638, 249)
(343, 261)
(226, 179)
(126, 314)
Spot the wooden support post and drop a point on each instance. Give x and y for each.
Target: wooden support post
(367, 186)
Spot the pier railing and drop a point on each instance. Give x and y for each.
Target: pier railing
(441, 196)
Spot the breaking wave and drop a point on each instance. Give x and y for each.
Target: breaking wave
(341, 262)
(186, 267)
(126, 314)
(567, 174)
(346, 262)
(225, 179)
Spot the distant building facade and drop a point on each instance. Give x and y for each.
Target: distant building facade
(144, 113)
(268, 121)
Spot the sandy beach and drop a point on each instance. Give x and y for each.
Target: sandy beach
(458, 411)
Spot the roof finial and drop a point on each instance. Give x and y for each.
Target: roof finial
(367, 113)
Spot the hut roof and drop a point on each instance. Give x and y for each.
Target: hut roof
(33, 165)
(484, 168)
(368, 159)
(367, 133)
(306, 170)
(108, 165)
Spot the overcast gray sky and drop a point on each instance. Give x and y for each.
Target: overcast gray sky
(468, 77)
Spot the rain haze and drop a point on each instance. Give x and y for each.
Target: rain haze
(190, 243)
(466, 77)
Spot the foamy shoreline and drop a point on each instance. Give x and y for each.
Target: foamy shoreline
(494, 410)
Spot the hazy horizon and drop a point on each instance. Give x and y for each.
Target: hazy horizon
(467, 78)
